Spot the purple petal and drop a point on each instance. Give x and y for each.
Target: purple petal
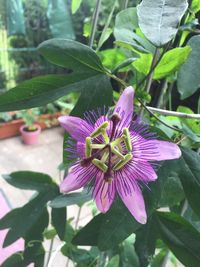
(134, 201)
(77, 177)
(79, 129)
(164, 150)
(141, 170)
(103, 193)
(124, 106)
(80, 147)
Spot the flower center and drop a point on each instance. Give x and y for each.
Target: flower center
(107, 153)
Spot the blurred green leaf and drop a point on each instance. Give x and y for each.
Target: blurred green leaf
(112, 57)
(195, 6)
(159, 19)
(126, 23)
(128, 256)
(181, 237)
(188, 76)
(75, 5)
(113, 262)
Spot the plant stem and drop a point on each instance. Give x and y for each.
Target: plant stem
(78, 218)
(50, 252)
(94, 22)
(125, 4)
(160, 103)
(102, 259)
(174, 113)
(150, 77)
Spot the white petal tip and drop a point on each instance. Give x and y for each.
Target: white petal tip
(143, 220)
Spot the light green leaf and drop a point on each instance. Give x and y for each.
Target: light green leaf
(159, 19)
(170, 62)
(75, 5)
(195, 6)
(113, 262)
(112, 57)
(188, 76)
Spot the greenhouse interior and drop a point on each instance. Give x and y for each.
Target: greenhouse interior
(100, 133)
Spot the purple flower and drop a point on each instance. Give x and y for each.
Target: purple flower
(116, 154)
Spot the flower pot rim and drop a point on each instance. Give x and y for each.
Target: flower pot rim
(32, 132)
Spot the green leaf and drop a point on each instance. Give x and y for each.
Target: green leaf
(146, 241)
(34, 250)
(59, 218)
(181, 237)
(188, 76)
(191, 217)
(195, 6)
(170, 62)
(70, 199)
(159, 19)
(113, 262)
(158, 259)
(190, 178)
(112, 57)
(72, 55)
(38, 91)
(193, 124)
(172, 191)
(28, 180)
(14, 260)
(126, 23)
(128, 255)
(21, 221)
(75, 5)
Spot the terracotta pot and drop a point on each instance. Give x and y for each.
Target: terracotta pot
(30, 138)
(11, 128)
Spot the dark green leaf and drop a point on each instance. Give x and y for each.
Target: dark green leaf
(21, 220)
(59, 221)
(128, 256)
(14, 260)
(42, 90)
(70, 199)
(72, 55)
(28, 180)
(190, 216)
(190, 178)
(159, 19)
(146, 241)
(188, 76)
(181, 237)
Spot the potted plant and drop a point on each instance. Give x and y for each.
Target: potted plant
(30, 131)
